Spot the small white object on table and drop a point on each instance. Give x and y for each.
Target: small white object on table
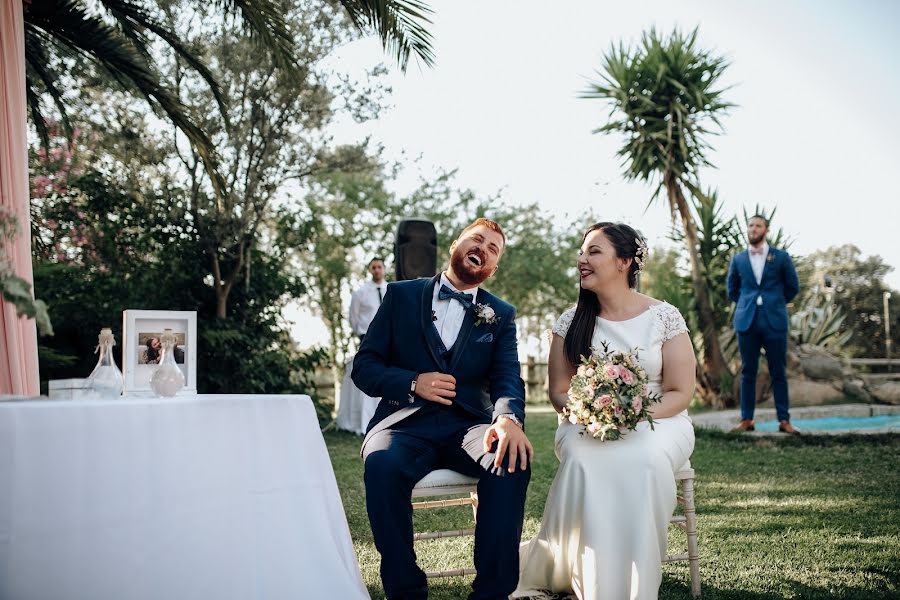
(207, 496)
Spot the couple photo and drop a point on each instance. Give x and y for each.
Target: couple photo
(442, 355)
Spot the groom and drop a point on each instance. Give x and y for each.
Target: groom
(441, 353)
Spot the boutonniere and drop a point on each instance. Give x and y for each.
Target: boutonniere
(770, 257)
(484, 315)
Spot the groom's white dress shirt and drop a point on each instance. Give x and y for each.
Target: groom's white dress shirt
(449, 313)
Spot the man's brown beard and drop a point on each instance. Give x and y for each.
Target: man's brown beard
(466, 271)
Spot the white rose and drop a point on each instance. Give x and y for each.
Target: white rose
(487, 312)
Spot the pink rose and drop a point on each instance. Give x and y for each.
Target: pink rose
(636, 404)
(604, 400)
(626, 375)
(611, 371)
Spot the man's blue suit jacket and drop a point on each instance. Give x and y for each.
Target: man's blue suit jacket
(402, 342)
(778, 286)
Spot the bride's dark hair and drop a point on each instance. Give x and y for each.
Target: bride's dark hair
(624, 240)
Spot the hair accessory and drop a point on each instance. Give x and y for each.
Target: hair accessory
(641, 254)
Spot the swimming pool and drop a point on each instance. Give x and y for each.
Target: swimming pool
(838, 423)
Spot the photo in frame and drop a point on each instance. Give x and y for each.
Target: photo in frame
(141, 348)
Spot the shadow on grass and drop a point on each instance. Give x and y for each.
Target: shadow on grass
(671, 590)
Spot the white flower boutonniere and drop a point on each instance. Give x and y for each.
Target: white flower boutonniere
(484, 315)
(770, 257)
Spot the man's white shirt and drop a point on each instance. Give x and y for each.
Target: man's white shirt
(449, 313)
(758, 263)
(364, 304)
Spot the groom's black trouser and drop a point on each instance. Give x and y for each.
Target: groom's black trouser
(442, 437)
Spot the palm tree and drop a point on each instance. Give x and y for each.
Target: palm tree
(665, 102)
(116, 35)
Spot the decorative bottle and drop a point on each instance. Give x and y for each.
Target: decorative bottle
(105, 382)
(167, 378)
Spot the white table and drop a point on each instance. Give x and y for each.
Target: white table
(206, 497)
(355, 408)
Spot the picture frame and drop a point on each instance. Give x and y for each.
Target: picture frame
(139, 352)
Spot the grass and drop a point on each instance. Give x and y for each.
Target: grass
(809, 517)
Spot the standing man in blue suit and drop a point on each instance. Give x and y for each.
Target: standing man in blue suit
(762, 280)
(442, 355)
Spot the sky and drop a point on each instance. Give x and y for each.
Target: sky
(814, 133)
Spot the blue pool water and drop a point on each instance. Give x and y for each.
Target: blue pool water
(837, 423)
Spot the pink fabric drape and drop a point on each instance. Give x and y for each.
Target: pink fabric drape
(18, 336)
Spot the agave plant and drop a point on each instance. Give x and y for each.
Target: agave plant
(818, 323)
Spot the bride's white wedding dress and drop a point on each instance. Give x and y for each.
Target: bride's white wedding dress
(603, 534)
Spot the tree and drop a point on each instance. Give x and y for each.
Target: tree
(104, 250)
(665, 101)
(271, 140)
(345, 212)
(856, 285)
(118, 36)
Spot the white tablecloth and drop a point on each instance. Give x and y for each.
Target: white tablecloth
(355, 408)
(206, 497)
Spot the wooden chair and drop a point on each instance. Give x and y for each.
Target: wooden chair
(444, 482)
(687, 520)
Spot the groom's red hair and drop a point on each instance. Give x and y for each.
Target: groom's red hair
(492, 225)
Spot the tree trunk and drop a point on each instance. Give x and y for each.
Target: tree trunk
(223, 288)
(712, 376)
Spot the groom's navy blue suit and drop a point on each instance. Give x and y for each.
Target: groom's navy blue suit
(409, 436)
(761, 321)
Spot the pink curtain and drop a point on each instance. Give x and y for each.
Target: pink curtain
(18, 336)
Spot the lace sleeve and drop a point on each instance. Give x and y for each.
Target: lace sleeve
(563, 322)
(672, 322)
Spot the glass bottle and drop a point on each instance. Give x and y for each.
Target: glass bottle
(105, 381)
(167, 377)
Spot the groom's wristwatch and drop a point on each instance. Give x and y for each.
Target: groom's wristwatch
(512, 418)
(412, 390)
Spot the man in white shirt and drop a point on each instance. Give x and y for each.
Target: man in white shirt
(355, 409)
(365, 301)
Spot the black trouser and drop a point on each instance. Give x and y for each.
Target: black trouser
(439, 437)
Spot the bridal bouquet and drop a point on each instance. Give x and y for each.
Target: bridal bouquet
(609, 395)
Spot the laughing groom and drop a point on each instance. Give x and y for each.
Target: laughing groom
(441, 353)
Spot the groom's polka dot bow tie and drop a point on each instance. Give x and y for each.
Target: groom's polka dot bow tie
(465, 299)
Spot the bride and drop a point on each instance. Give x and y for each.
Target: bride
(603, 534)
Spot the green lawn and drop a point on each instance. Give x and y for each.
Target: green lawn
(811, 517)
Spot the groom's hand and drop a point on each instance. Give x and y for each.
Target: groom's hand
(510, 438)
(436, 387)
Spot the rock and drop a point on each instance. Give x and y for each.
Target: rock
(822, 367)
(804, 392)
(855, 389)
(888, 392)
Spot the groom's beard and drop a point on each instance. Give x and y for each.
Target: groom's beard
(468, 273)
